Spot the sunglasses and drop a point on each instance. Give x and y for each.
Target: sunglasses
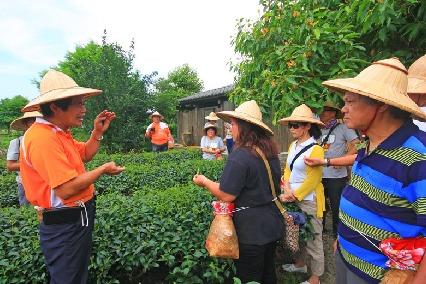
(295, 125)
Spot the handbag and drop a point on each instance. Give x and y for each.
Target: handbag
(405, 256)
(291, 236)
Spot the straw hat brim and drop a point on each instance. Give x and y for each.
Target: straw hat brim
(60, 94)
(296, 118)
(210, 126)
(227, 115)
(416, 85)
(211, 118)
(18, 124)
(376, 91)
(160, 116)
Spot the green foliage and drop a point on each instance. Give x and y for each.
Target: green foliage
(180, 82)
(8, 189)
(125, 91)
(10, 109)
(296, 45)
(20, 255)
(158, 234)
(155, 170)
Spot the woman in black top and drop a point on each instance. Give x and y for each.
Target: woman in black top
(245, 182)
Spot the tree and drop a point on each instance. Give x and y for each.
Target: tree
(296, 45)
(125, 91)
(179, 83)
(10, 109)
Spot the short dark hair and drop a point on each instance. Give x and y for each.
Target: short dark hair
(251, 135)
(207, 129)
(395, 112)
(63, 104)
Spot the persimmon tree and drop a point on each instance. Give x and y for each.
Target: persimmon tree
(295, 45)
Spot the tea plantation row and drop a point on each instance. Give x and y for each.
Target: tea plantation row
(150, 227)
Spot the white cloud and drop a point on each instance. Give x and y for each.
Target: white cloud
(167, 33)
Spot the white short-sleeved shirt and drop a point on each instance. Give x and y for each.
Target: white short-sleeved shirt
(13, 153)
(206, 142)
(298, 174)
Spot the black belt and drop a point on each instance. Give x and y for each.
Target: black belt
(67, 215)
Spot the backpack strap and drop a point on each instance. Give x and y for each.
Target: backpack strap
(328, 134)
(300, 153)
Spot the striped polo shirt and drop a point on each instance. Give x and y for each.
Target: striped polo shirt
(386, 197)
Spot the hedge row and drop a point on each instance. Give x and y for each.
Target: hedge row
(143, 170)
(151, 236)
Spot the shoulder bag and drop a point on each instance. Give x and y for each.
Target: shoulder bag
(291, 237)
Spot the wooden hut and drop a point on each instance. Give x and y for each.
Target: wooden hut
(193, 109)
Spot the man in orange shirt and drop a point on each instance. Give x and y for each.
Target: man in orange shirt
(158, 132)
(54, 177)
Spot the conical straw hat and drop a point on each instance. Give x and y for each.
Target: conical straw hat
(331, 104)
(210, 125)
(55, 86)
(301, 113)
(156, 113)
(18, 124)
(384, 81)
(212, 116)
(248, 111)
(417, 77)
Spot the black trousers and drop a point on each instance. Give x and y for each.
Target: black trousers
(257, 263)
(159, 148)
(333, 188)
(67, 247)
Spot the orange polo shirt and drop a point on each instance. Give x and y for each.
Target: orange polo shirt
(49, 158)
(161, 134)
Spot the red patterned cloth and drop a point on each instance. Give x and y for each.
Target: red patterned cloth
(404, 254)
(223, 208)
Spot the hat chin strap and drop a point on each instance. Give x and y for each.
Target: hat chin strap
(364, 131)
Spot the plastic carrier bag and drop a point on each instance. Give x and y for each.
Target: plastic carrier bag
(222, 240)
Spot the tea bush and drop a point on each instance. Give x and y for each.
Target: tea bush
(151, 235)
(8, 189)
(143, 170)
(159, 176)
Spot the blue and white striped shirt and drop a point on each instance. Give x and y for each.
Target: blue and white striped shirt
(386, 197)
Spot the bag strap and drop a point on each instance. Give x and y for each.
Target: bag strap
(283, 211)
(300, 153)
(328, 134)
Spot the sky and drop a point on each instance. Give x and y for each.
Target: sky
(35, 35)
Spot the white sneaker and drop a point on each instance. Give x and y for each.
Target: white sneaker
(307, 282)
(292, 268)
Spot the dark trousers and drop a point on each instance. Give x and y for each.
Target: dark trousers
(343, 274)
(333, 188)
(67, 247)
(160, 148)
(256, 263)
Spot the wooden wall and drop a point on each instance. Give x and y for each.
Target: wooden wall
(192, 121)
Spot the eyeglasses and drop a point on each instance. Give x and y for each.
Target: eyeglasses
(295, 125)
